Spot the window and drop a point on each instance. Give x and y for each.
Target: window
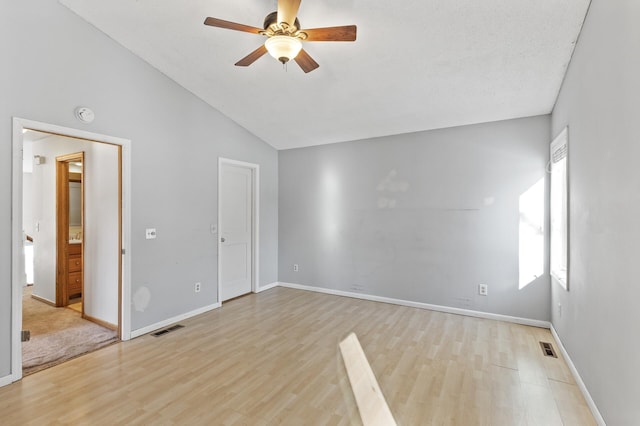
(559, 207)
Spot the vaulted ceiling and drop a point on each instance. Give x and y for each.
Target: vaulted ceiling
(416, 65)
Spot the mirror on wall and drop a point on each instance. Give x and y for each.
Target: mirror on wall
(75, 200)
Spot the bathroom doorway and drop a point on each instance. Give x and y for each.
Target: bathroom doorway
(70, 231)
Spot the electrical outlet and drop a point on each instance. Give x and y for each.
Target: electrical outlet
(197, 287)
(483, 289)
(150, 233)
(295, 267)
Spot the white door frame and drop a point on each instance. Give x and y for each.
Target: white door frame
(16, 229)
(255, 214)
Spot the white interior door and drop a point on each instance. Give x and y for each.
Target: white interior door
(236, 195)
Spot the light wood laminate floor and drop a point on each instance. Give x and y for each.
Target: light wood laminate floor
(273, 358)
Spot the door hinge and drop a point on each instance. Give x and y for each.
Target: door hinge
(123, 251)
(25, 335)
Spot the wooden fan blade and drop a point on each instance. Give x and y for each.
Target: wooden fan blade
(345, 33)
(215, 22)
(305, 61)
(288, 10)
(252, 57)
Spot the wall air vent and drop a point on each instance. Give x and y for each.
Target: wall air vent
(547, 349)
(167, 330)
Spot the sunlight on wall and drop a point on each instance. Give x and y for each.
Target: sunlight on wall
(531, 250)
(28, 261)
(330, 200)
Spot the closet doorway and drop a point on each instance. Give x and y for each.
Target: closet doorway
(238, 212)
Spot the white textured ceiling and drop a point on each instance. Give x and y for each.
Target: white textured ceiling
(416, 65)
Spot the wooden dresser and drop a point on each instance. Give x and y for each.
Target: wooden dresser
(74, 281)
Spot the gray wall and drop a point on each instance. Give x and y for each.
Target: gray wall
(424, 217)
(600, 102)
(53, 61)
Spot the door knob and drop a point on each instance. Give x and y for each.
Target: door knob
(222, 240)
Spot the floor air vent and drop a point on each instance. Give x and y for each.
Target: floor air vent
(167, 330)
(547, 349)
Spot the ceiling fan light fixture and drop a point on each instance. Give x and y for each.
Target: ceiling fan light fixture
(283, 48)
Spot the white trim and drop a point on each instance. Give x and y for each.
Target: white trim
(576, 376)
(420, 305)
(255, 228)
(16, 252)
(153, 327)
(126, 241)
(16, 225)
(267, 287)
(556, 144)
(6, 380)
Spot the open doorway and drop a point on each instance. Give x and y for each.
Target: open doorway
(72, 267)
(74, 220)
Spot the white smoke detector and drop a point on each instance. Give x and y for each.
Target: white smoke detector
(85, 114)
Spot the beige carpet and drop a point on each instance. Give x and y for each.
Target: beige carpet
(57, 334)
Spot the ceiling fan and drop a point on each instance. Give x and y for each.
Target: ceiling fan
(285, 37)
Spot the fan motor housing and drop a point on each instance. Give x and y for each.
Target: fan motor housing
(272, 18)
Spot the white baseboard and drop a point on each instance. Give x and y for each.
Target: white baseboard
(6, 380)
(419, 305)
(267, 287)
(576, 376)
(169, 321)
